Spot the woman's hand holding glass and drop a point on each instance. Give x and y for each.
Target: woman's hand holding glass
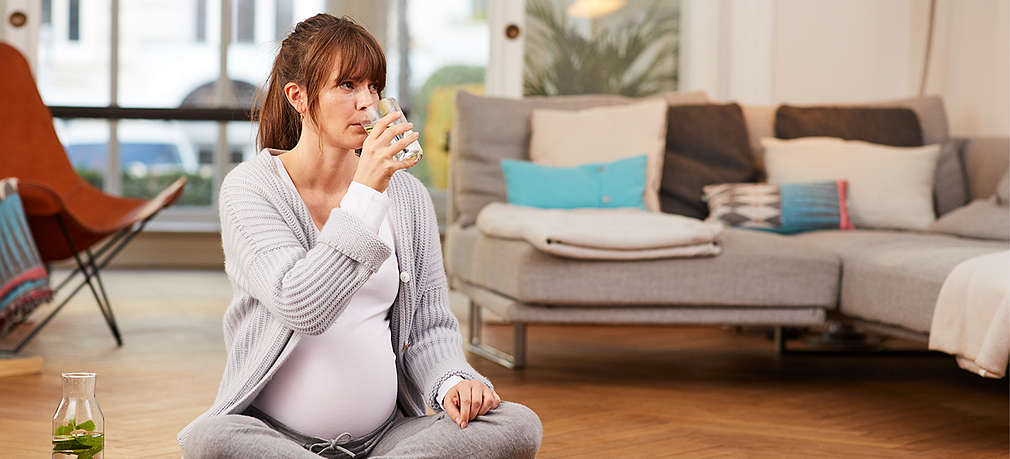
(376, 164)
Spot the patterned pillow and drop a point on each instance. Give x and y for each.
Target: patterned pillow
(784, 209)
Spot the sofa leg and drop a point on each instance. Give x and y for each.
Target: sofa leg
(780, 341)
(476, 345)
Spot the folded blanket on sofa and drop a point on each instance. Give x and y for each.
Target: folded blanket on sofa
(24, 283)
(602, 234)
(972, 315)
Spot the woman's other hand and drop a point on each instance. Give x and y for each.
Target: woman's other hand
(376, 165)
(469, 399)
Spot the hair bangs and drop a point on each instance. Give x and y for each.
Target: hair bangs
(360, 58)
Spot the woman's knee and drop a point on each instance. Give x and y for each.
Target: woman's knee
(525, 431)
(218, 436)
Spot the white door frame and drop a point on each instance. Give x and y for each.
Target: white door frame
(504, 74)
(26, 37)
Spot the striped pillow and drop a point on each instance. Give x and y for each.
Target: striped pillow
(784, 209)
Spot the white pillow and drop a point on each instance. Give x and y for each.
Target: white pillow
(602, 135)
(889, 187)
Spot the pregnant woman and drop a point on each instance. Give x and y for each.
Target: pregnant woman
(339, 332)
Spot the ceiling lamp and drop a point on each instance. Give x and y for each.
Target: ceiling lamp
(592, 9)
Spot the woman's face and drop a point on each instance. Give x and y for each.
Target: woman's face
(342, 110)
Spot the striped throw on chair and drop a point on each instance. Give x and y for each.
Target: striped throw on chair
(24, 283)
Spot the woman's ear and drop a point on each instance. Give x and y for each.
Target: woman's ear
(296, 97)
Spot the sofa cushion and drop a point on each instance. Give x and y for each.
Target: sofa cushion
(982, 219)
(489, 129)
(889, 187)
(897, 127)
(602, 135)
(755, 269)
(930, 111)
(619, 183)
(894, 277)
(783, 209)
(705, 145)
(950, 185)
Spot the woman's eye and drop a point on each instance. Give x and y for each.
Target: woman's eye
(373, 88)
(347, 85)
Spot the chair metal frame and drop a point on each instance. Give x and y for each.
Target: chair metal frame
(90, 268)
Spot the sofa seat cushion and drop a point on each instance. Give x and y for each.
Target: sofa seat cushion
(894, 277)
(755, 269)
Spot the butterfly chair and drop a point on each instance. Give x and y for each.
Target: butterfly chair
(68, 217)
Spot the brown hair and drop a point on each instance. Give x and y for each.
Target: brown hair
(305, 58)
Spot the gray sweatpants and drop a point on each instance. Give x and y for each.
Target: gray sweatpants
(509, 431)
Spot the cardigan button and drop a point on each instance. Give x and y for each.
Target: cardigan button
(405, 277)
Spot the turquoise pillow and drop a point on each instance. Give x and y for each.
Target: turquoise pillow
(605, 185)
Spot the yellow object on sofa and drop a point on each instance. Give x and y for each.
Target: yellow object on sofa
(441, 113)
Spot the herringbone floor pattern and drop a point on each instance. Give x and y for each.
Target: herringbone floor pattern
(600, 391)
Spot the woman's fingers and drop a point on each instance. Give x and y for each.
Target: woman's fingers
(464, 404)
(497, 399)
(403, 143)
(488, 401)
(380, 125)
(451, 404)
(407, 163)
(476, 400)
(391, 132)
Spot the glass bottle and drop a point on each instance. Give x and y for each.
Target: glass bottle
(78, 425)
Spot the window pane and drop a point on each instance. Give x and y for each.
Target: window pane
(601, 47)
(245, 20)
(249, 61)
(153, 154)
(162, 61)
(241, 141)
(75, 72)
(86, 143)
(435, 72)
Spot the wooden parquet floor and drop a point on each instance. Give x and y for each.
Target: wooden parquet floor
(600, 391)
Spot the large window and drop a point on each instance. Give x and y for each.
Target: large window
(195, 64)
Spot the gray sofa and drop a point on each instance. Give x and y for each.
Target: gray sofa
(884, 280)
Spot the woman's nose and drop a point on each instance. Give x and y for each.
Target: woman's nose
(363, 98)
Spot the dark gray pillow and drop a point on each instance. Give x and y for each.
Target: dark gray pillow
(898, 127)
(950, 185)
(705, 145)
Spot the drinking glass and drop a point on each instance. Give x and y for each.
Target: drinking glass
(383, 108)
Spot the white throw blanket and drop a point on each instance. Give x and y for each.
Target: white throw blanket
(602, 234)
(972, 315)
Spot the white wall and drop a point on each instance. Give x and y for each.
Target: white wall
(824, 51)
(971, 66)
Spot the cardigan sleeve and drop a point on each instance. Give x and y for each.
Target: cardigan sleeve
(305, 289)
(435, 353)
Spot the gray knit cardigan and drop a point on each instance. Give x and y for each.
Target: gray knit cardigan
(289, 282)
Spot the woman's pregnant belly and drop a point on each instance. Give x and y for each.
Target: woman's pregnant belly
(343, 380)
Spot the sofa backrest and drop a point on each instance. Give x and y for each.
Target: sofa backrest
(985, 161)
(488, 129)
